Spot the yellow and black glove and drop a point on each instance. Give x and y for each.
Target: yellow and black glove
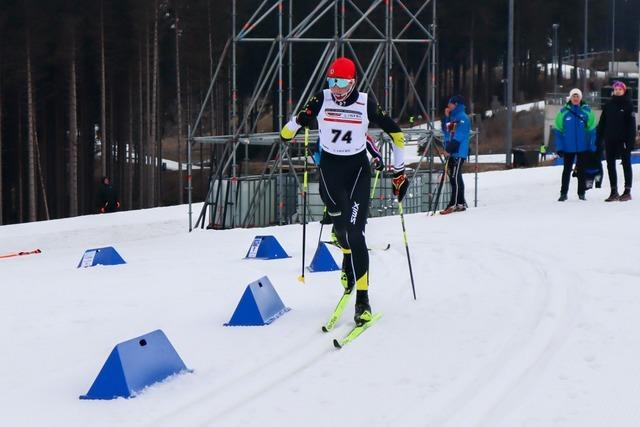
(400, 185)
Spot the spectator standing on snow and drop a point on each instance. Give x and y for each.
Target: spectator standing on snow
(575, 126)
(456, 127)
(108, 200)
(543, 152)
(617, 127)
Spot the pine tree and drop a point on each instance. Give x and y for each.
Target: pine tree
(31, 166)
(73, 128)
(103, 98)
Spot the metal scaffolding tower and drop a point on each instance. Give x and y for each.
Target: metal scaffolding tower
(387, 39)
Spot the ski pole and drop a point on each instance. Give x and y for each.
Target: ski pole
(375, 182)
(304, 201)
(406, 246)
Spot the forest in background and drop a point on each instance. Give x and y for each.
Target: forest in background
(87, 88)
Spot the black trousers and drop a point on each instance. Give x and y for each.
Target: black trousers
(581, 160)
(625, 156)
(454, 170)
(345, 183)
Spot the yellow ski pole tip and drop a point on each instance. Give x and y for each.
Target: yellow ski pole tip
(301, 279)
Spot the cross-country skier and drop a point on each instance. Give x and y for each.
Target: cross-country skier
(343, 115)
(456, 127)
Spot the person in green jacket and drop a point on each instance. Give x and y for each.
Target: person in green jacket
(543, 152)
(575, 130)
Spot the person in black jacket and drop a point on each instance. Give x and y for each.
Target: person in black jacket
(108, 200)
(617, 127)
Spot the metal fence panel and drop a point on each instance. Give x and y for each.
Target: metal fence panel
(253, 201)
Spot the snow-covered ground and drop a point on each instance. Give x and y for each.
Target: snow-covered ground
(527, 315)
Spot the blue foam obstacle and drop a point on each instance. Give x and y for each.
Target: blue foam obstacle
(101, 256)
(323, 260)
(134, 365)
(260, 305)
(266, 247)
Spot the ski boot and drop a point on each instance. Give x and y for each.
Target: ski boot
(563, 197)
(363, 309)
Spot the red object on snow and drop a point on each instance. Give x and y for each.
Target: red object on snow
(15, 254)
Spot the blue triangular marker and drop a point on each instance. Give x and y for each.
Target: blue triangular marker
(323, 260)
(266, 247)
(260, 305)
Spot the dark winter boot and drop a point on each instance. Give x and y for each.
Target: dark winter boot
(626, 196)
(613, 197)
(448, 210)
(563, 197)
(581, 196)
(363, 309)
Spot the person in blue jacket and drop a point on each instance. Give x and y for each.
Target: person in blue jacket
(456, 127)
(575, 131)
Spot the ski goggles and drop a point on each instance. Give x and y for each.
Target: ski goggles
(335, 81)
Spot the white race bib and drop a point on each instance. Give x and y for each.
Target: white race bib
(343, 130)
